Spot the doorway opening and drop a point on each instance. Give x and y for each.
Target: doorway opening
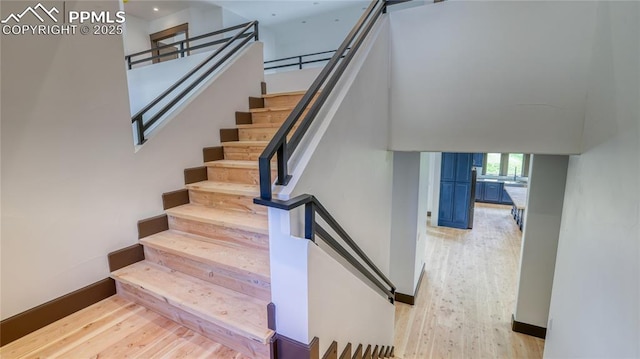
(160, 39)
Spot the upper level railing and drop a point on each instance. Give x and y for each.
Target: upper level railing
(300, 60)
(158, 107)
(182, 47)
(283, 148)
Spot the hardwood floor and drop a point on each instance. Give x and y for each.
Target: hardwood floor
(116, 328)
(467, 294)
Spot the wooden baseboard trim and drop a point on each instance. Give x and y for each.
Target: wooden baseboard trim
(195, 174)
(287, 348)
(528, 329)
(33, 319)
(332, 352)
(175, 198)
(229, 134)
(153, 225)
(125, 256)
(212, 154)
(256, 102)
(411, 299)
(243, 118)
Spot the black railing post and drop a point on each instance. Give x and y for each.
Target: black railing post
(255, 32)
(182, 49)
(265, 177)
(300, 62)
(310, 221)
(128, 61)
(282, 164)
(140, 128)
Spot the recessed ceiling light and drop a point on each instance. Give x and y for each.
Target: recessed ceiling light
(336, 20)
(156, 9)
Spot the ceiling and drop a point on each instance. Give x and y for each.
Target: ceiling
(267, 12)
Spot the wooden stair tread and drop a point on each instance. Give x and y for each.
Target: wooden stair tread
(233, 164)
(231, 310)
(249, 260)
(270, 109)
(291, 93)
(240, 189)
(260, 125)
(230, 219)
(245, 144)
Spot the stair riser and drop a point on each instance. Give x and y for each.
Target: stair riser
(260, 134)
(210, 330)
(271, 116)
(282, 101)
(235, 175)
(227, 201)
(246, 283)
(218, 232)
(244, 153)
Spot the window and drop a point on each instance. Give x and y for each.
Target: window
(506, 164)
(516, 164)
(492, 168)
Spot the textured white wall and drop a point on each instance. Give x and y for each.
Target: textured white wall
(72, 186)
(595, 303)
(547, 181)
(487, 76)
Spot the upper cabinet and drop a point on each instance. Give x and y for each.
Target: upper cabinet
(477, 159)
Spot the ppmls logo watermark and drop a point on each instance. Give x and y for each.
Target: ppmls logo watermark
(43, 20)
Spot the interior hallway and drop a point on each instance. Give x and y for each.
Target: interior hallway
(467, 294)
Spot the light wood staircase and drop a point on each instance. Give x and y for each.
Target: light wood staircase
(359, 352)
(206, 261)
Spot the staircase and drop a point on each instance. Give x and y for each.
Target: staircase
(210, 270)
(359, 353)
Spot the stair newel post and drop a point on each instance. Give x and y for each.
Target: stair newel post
(264, 165)
(310, 221)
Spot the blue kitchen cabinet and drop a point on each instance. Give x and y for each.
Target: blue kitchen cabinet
(479, 191)
(455, 190)
(505, 199)
(477, 159)
(493, 192)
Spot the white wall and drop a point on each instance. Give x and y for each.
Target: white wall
(288, 81)
(320, 32)
(345, 164)
(72, 186)
(136, 35)
(488, 76)
(408, 219)
(595, 303)
(547, 178)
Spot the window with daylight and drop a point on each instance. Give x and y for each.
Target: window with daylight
(492, 168)
(513, 165)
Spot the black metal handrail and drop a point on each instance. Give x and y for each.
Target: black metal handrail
(300, 60)
(329, 76)
(184, 45)
(142, 125)
(311, 228)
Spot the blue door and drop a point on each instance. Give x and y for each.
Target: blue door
(455, 190)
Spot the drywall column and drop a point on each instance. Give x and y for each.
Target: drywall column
(543, 215)
(408, 221)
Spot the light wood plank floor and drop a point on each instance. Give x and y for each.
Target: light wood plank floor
(467, 294)
(115, 328)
